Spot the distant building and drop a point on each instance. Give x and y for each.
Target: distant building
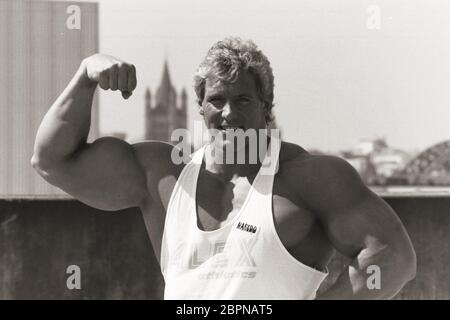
(169, 111)
(388, 162)
(375, 161)
(41, 47)
(367, 147)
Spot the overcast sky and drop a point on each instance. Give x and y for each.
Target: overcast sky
(336, 80)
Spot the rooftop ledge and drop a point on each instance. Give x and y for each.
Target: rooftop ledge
(385, 192)
(412, 191)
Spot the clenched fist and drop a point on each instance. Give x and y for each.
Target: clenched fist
(111, 73)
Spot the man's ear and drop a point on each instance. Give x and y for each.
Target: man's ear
(200, 107)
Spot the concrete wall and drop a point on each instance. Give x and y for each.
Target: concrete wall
(39, 239)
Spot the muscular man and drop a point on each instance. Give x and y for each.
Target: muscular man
(226, 230)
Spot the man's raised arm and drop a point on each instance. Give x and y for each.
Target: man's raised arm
(104, 174)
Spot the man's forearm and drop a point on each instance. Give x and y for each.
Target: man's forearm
(65, 127)
(372, 276)
(352, 285)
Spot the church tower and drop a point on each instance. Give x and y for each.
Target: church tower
(148, 107)
(169, 112)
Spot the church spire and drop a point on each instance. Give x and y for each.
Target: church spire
(166, 83)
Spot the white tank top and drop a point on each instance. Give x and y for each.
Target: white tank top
(245, 259)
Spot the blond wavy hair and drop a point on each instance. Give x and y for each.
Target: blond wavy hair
(226, 59)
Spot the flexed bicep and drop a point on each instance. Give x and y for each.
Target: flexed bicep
(104, 174)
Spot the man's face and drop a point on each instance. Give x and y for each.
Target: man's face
(231, 106)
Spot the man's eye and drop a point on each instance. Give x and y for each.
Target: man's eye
(244, 100)
(216, 102)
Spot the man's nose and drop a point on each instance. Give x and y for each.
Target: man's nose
(227, 111)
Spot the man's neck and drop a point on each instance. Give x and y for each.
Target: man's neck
(216, 164)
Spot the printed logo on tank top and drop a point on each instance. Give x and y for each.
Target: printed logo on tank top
(246, 227)
(218, 260)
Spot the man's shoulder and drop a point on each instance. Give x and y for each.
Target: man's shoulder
(308, 172)
(294, 157)
(325, 184)
(159, 156)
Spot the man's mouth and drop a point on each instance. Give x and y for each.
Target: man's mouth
(231, 128)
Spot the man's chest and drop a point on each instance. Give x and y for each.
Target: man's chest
(218, 204)
(297, 228)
